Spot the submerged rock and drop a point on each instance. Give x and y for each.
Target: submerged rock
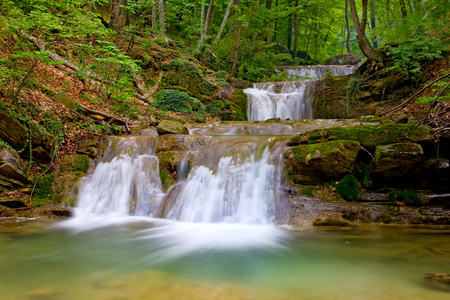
(440, 280)
(171, 127)
(344, 59)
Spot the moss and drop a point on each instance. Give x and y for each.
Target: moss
(81, 164)
(215, 108)
(306, 152)
(348, 188)
(186, 74)
(331, 222)
(349, 215)
(372, 135)
(409, 197)
(43, 189)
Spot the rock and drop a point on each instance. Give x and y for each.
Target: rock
(61, 212)
(395, 161)
(331, 222)
(65, 100)
(16, 135)
(440, 280)
(344, 59)
(240, 83)
(171, 127)
(11, 165)
(435, 173)
(13, 202)
(373, 135)
(311, 164)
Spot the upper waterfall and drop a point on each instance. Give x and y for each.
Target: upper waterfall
(285, 100)
(319, 71)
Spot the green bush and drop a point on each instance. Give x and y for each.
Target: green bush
(348, 188)
(175, 100)
(409, 197)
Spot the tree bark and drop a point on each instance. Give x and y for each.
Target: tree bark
(236, 51)
(116, 22)
(347, 23)
(224, 21)
(296, 25)
(154, 17)
(162, 18)
(372, 24)
(210, 17)
(361, 37)
(403, 8)
(205, 26)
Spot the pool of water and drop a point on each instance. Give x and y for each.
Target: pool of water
(155, 259)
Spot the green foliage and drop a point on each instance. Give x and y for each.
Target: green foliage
(362, 172)
(175, 100)
(408, 56)
(437, 87)
(348, 188)
(349, 215)
(409, 197)
(216, 107)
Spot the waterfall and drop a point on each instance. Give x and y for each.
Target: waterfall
(236, 186)
(240, 191)
(285, 100)
(319, 71)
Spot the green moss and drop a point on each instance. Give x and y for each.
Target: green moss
(308, 190)
(348, 188)
(305, 152)
(43, 189)
(216, 107)
(372, 135)
(409, 197)
(186, 74)
(362, 172)
(81, 164)
(349, 215)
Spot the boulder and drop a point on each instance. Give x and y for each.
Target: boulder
(312, 164)
(344, 59)
(440, 280)
(171, 127)
(373, 135)
(240, 83)
(14, 202)
(12, 170)
(65, 100)
(395, 161)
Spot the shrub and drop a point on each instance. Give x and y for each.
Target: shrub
(409, 197)
(175, 100)
(348, 188)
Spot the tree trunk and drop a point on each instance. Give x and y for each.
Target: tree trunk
(296, 26)
(403, 8)
(372, 24)
(224, 21)
(162, 18)
(154, 17)
(347, 23)
(361, 37)
(205, 27)
(236, 51)
(210, 17)
(116, 22)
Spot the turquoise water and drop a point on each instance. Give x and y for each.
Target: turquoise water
(145, 259)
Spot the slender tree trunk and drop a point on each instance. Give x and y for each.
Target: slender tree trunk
(210, 17)
(372, 23)
(289, 33)
(202, 22)
(276, 26)
(162, 18)
(205, 27)
(403, 8)
(388, 18)
(236, 51)
(269, 7)
(116, 22)
(360, 27)
(154, 15)
(224, 21)
(347, 23)
(296, 26)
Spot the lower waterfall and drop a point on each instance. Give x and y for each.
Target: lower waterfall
(226, 200)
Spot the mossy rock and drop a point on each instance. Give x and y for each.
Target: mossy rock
(331, 222)
(65, 100)
(175, 100)
(373, 135)
(311, 164)
(185, 74)
(171, 127)
(395, 161)
(348, 188)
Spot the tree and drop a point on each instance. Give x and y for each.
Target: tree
(117, 14)
(361, 37)
(347, 24)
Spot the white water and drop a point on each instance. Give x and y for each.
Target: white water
(319, 71)
(293, 101)
(228, 208)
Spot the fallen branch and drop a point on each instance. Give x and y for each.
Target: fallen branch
(110, 118)
(413, 96)
(68, 64)
(435, 102)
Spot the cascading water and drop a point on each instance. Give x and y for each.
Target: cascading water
(319, 71)
(289, 100)
(285, 100)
